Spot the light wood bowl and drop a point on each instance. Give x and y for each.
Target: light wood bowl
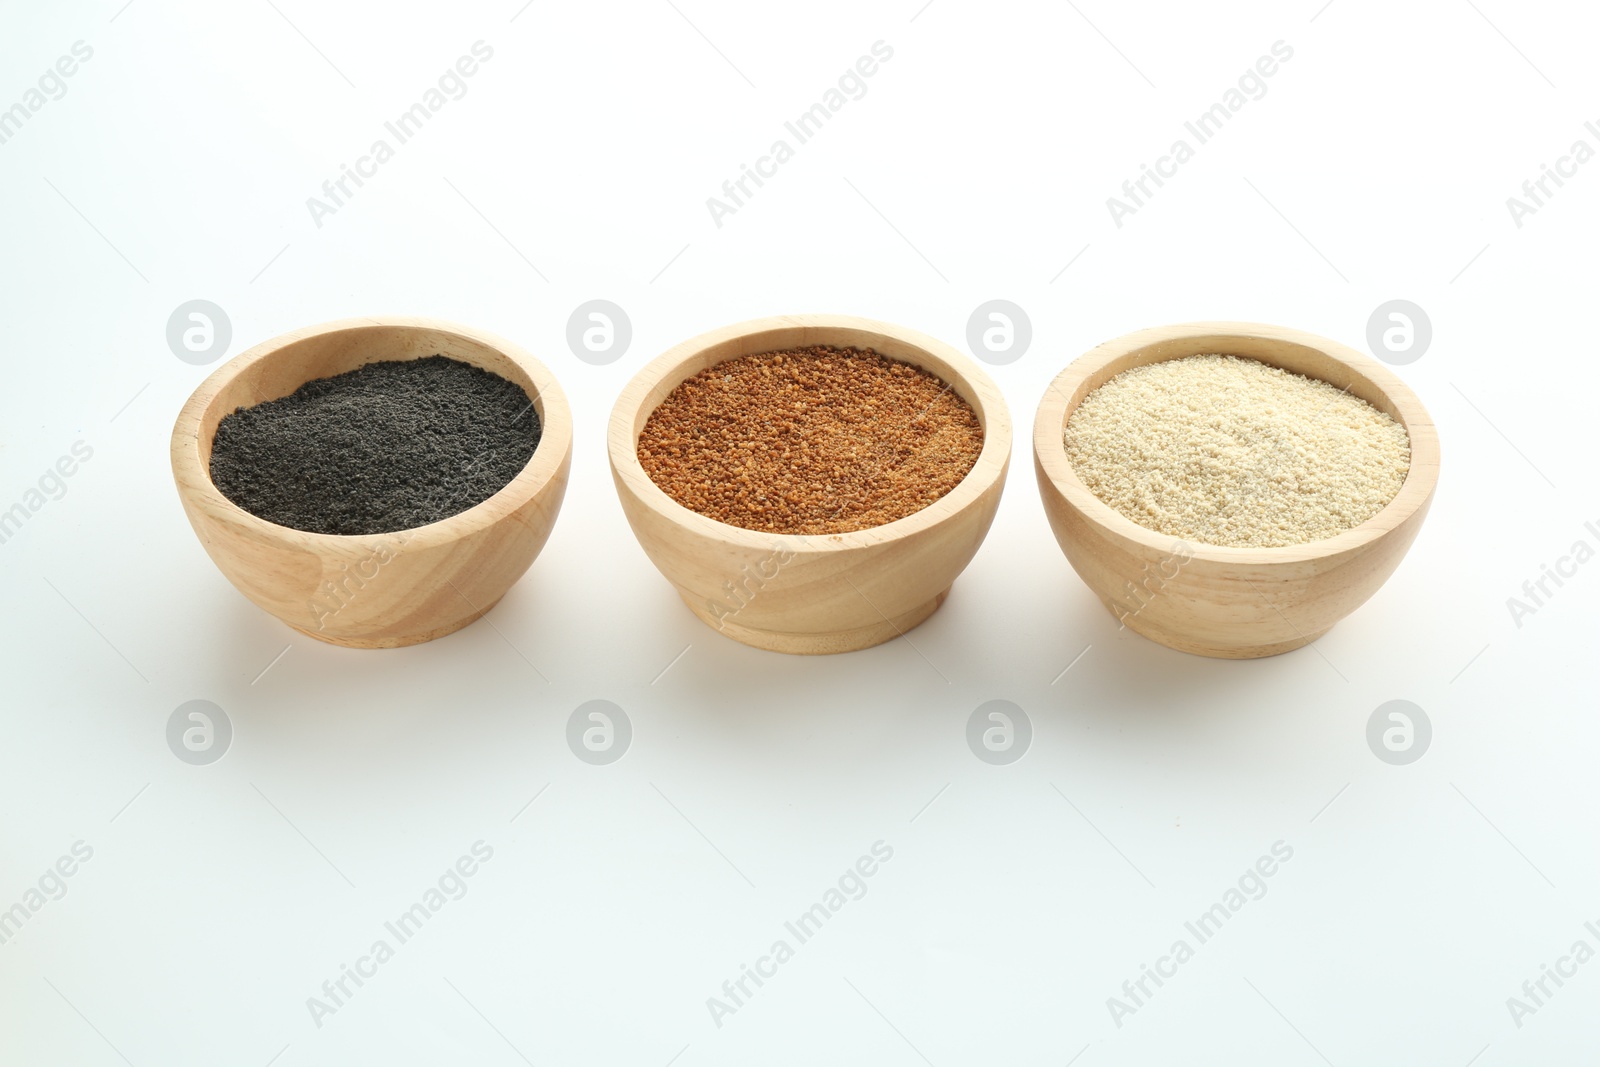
(823, 593)
(377, 590)
(1235, 603)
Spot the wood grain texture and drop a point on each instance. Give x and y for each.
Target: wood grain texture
(823, 593)
(1211, 600)
(377, 590)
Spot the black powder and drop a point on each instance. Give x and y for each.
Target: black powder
(388, 446)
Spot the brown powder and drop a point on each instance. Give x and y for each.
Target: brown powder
(815, 440)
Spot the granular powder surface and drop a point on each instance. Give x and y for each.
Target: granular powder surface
(388, 446)
(1229, 451)
(815, 440)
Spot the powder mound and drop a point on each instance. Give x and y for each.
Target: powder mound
(388, 446)
(817, 440)
(1228, 451)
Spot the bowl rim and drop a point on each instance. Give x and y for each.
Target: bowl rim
(549, 456)
(985, 398)
(1415, 491)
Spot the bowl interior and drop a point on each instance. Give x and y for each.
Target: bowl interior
(1290, 355)
(276, 368)
(660, 378)
(780, 338)
(1291, 350)
(280, 371)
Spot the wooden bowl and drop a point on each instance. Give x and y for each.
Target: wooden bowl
(377, 590)
(1235, 603)
(827, 592)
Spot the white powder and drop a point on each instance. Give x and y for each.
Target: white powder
(1228, 451)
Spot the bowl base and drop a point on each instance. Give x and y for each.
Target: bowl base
(397, 640)
(1200, 648)
(822, 642)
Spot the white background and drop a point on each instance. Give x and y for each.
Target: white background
(1019, 898)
